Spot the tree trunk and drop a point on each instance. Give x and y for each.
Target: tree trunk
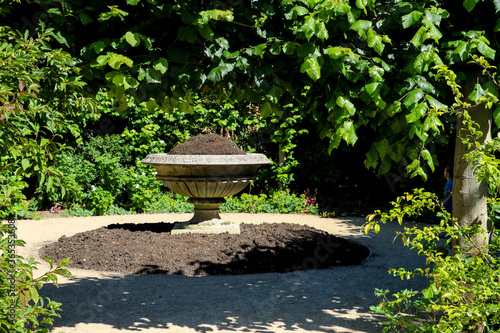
(469, 196)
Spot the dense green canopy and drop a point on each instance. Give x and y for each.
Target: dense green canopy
(347, 64)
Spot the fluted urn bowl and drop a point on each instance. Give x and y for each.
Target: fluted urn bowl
(206, 179)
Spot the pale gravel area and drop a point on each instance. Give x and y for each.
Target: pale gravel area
(330, 300)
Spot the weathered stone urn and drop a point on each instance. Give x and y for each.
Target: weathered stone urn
(206, 180)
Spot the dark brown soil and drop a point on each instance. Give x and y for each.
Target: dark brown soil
(207, 144)
(151, 249)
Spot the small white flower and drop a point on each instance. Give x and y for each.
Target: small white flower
(102, 180)
(135, 176)
(143, 174)
(162, 142)
(136, 185)
(155, 173)
(93, 187)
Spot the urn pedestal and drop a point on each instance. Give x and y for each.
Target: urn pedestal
(206, 180)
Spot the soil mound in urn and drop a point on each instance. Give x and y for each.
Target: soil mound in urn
(151, 249)
(207, 144)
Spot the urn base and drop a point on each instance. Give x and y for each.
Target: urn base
(215, 226)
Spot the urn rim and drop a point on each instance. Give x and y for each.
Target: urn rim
(174, 159)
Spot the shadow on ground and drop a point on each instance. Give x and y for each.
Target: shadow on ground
(337, 299)
(301, 300)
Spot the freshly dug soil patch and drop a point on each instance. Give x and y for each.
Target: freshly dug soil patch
(150, 249)
(207, 144)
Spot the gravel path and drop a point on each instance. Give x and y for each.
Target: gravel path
(329, 300)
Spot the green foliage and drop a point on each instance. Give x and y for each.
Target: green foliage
(334, 62)
(113, 210)
(105, 171)
(21, 307)
(464, 286)
(310, 202)
(108, 184)
(152, 129)
(349, 65)
(100, 201)
(285, 136)
(282, 202)
(352, 66)
(11, 196)
(101, 174)
(167, 202)
(494, 212)
(105, 177)
(397, 310)
(41, 99)
(78, 211)
(170, 203)
(278, 202)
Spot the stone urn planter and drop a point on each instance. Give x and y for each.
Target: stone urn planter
(206, 180)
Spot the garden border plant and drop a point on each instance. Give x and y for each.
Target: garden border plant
(464, 269)
(21, 307)
(40, 86)
(102, 178)
(462, 295)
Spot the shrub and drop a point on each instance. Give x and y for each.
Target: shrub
(43, 101)
(78, 211)
(142, 188)
(170, 202)
(99, 175)
(114, 210)
(464, 290)
(276, 202)
(21, 307)
(100, 201)
(11, 197)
